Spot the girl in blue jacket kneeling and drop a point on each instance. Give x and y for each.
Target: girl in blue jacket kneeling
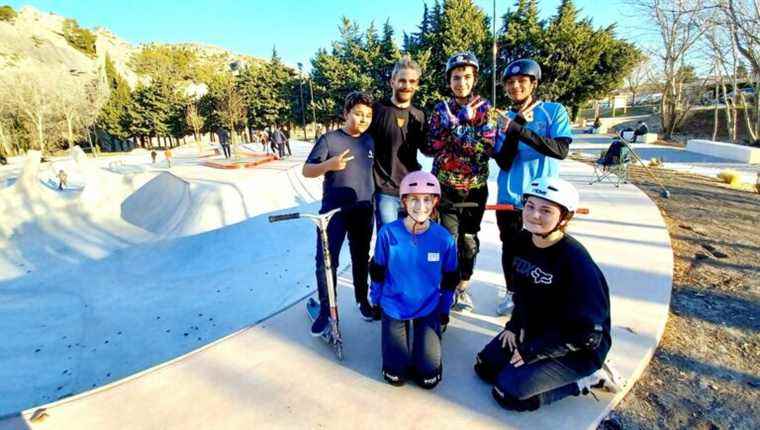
(414, 275)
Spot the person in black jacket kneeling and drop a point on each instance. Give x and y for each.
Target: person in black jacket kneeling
(556, 342)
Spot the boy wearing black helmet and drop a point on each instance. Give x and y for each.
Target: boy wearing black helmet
(532, 140)
(460, 139)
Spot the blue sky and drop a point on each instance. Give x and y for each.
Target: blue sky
(297, 28)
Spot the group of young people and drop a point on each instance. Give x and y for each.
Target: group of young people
(427, 224)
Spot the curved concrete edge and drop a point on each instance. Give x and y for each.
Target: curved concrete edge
(628, 238)
(624, 232)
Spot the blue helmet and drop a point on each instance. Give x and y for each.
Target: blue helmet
(522, 67)
(461, 59)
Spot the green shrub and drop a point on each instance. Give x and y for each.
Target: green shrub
(7, 13)
(80, 38)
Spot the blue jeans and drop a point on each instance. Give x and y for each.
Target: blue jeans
(418, 356)
(387, 208)
(530, 386)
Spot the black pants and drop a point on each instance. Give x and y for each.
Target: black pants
(510, 225)
(286, 145)
(357, 225)
(530, 386)
(417, 356)
(226, 150)
(464, 224)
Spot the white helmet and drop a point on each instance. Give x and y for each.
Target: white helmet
(554, 190)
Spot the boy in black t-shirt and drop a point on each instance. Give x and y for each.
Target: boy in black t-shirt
(345, 158)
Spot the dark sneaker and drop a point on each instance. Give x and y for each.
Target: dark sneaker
(369, 312)
(320, 325)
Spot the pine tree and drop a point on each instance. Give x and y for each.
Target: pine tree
(389, 54)
(114, 116)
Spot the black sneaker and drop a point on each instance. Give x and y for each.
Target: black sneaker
(320, 325)
(369, 312)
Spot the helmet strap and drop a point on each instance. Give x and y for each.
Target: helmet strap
(417, 222)
(526, 106)
(563, 220)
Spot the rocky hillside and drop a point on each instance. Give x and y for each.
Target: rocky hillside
(35, 39)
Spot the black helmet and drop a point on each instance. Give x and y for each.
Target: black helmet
(461, 59)
(522, 67)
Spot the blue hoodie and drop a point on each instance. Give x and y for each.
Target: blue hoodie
(414, 268)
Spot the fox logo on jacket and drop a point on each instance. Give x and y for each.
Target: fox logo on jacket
(541, 277)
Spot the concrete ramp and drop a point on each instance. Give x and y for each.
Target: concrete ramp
(159, 205)
(274, 375)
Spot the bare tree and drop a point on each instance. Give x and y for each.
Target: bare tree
(721, 49)
(743, 23)
(196, 121)
(677, 23)
(636, 80)
(232, 110)
(31, 94)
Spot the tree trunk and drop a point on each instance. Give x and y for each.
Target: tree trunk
(715, 115)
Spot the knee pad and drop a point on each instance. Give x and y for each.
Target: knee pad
(471, 245)
(395, 380)
(430, 381)
(506, 401)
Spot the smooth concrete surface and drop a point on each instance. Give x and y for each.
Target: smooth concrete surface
(731, 151)
(673, 157)
(274, 375)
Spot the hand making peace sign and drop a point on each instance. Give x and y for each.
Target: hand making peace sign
(340, 161)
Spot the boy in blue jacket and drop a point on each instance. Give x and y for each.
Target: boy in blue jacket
(414, 275)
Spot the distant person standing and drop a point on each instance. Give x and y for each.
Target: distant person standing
(398, 129)
(264, 140)
(153, 155)
(273, 141)
(224, 141)
(168, 156)
(62, 179)
(286, 141)
(278, 141)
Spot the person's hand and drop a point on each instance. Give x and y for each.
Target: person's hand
(508, 339)
(340, 161)
(503, 123)
(471, 108)
(516, 359)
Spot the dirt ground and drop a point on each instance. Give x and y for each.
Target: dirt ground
(705, 373)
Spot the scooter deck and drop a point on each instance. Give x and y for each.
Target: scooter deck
(312, 310)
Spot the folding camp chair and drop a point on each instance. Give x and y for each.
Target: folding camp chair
(613, 161)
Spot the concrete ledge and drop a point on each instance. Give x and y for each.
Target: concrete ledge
(648, 138)
(744, 154)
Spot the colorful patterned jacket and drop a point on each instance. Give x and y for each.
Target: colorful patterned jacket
(460, 148)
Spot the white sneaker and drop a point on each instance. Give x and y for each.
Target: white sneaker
(505, 306)
(463, 301)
